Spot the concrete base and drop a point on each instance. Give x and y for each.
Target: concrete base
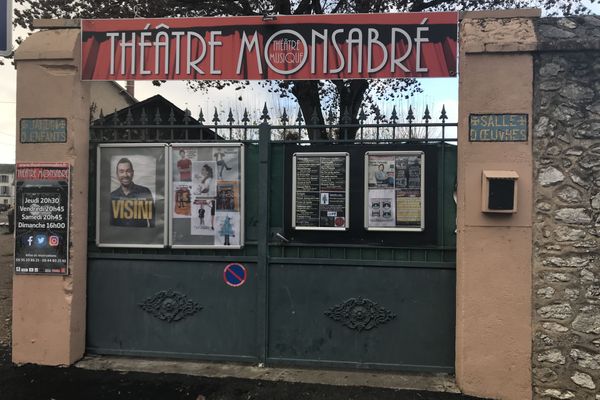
(387, 380)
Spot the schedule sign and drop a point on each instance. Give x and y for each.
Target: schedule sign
(5, 27)
(320, 191)
(42, 218)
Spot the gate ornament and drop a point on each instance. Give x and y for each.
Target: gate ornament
(360, 314)
(170, 306)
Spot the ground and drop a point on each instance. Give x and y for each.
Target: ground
(6, 251)
(31, 382)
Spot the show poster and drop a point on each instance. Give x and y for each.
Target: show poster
(182, 204)
(382, 208)
(212, 174)
(320, 191)
(42, 218)
(394, 190)
(130, 196)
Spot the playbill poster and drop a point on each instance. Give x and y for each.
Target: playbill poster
(206, 192)
(320, 191)
(394, 190)
(130, 195)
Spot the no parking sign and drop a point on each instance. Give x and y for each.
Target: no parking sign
(235, 274)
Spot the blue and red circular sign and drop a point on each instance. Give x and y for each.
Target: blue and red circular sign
(235, 274)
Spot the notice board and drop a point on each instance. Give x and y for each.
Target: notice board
(42, 218)
(394, 190)
(320, 190)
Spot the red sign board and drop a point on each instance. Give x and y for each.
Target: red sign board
(336, 46)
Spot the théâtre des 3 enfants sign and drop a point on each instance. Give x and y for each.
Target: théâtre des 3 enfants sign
(302, 47)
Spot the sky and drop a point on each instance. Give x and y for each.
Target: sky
(436, 92)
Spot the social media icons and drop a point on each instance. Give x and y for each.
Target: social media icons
(53, 240)
(41, 240)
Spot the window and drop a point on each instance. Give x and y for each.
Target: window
(3, 178)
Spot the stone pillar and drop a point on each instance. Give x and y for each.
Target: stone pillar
(566, 145)
(49, 311)
(493, 316)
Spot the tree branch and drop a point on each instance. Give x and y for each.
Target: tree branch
(303, 7)
(420, 5)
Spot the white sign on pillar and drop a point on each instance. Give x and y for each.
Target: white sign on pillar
(5, 27)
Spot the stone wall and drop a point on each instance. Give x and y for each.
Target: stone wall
(566, 145)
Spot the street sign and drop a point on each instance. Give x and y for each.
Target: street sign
(43, 130)
(5, 27)
(235, 274)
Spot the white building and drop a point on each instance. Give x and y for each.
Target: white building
(7, 184)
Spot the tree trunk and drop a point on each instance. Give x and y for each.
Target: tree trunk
(307, 94)
(351, 95)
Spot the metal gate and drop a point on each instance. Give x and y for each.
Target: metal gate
(355, 299)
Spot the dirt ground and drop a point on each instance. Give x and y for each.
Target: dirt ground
(6, 251)
(31, 382)
(34, 382)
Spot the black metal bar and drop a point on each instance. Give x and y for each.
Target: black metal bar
(256, 127)
(264, 155)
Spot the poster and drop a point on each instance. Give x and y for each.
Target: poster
(204, 180)
(382, 208)
(182, 204)
(213, 175)
(42, 218)
(320, 191)
(227, 229)
(202, 217)
(381, 172)
(394, 190)
(130, 195)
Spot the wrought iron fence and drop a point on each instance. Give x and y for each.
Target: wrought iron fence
(158, 125)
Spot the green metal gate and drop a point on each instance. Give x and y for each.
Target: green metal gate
(357, 299)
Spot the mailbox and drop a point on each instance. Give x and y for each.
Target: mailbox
(499, 192)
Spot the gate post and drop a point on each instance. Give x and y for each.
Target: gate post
(494, 251)
(264, 173)
(49, 311)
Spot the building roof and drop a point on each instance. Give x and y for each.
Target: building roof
(156, 111)
(7, 168)
(123, 92)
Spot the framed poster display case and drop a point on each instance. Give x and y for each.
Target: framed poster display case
(394, 191)
(320, 191)
(206, 192)
(131, 195)
(42, 218)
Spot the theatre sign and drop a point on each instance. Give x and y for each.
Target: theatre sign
(336, 46)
